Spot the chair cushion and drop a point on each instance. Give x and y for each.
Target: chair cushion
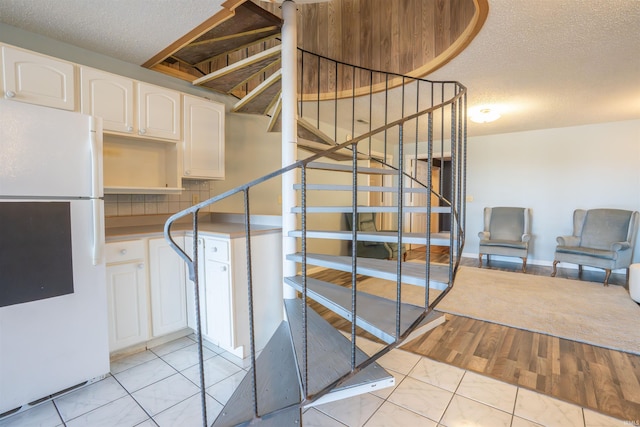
(602, 227)
(592, 252)
(504, 243)
(507, 224)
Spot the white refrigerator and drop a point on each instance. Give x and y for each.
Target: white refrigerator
(53, 303)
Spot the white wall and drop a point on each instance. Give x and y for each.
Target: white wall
(553, 172)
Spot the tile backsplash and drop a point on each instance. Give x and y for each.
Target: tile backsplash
(152, 204)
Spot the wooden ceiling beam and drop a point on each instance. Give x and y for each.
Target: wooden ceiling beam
(232, 36)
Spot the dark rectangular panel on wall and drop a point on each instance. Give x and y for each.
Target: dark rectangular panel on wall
(35, 251)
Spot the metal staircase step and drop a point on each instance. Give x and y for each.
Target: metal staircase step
(230, 77)
(278, 386)
(437, 239)
(307, 139)
(309, 132)
(374, 314)
(348, 168)
(413, 273)
(329, 358)
(378, 209)
(342, 154)
(363, 188)
(263, 97)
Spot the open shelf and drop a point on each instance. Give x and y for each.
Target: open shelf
(135, 166)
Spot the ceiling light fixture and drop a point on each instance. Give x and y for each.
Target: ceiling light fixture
(484, 115)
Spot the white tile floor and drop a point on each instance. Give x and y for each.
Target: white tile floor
(159, 387)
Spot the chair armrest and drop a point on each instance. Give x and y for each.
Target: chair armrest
(568, 240)
(484, 235)
(620, 246)
(526, 237)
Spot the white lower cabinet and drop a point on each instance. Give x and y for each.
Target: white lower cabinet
(150, 295)
(167, 284)
(223, 279)
(127, 294)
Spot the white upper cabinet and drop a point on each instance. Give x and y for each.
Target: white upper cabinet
(159, 112)
(203, 151)
(108, 96)
(37, 79)
(130, 107)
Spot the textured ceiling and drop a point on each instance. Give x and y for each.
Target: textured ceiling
(553, 63)
(130, 30)
(543, 63)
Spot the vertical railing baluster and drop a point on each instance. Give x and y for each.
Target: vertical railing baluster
(430, 207)
(415, 169)
(252, 341)
(196, 285)
(400, 225)
(301, 91)
(305, 325)
(371, 111)
(354, 250)
(335, 105)
(453, 192)
(353, 106)
(386, 112)
(318, 97)
(463, 221)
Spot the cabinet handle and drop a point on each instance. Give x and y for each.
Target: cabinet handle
(223, 268)
(142, 131)
(140, 266)
(10, 94)
(215, 249)
(130, 129)
(187, 172)
(123, 252)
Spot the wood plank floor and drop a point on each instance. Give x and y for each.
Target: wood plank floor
(604, 380)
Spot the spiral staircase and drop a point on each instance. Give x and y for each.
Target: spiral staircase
(373, 168)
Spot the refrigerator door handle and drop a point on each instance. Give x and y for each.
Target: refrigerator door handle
(98, 231)
(96, 157)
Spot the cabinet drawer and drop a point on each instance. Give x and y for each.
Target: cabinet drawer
(217, 250)
(124, 251)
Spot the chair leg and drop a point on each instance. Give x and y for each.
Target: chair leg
(606, 276)
(579, 271)
(480, 260)
(555, 270)
(524, 264)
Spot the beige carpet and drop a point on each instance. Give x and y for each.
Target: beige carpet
(575, 310)
(572, 309)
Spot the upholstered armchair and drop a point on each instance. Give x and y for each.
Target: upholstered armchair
(384, 250)
(507, 231)
(602, 238)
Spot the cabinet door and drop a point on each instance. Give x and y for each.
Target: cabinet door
(127, 303)
(203, 155)
(168, 293)
(158, 112)
(219, 303)
(108, 96)
(38, 79)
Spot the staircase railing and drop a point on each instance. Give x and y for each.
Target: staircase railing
(390, 136)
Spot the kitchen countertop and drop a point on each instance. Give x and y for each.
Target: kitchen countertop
(153, 226)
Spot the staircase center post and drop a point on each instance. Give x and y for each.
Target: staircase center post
(289, 135)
